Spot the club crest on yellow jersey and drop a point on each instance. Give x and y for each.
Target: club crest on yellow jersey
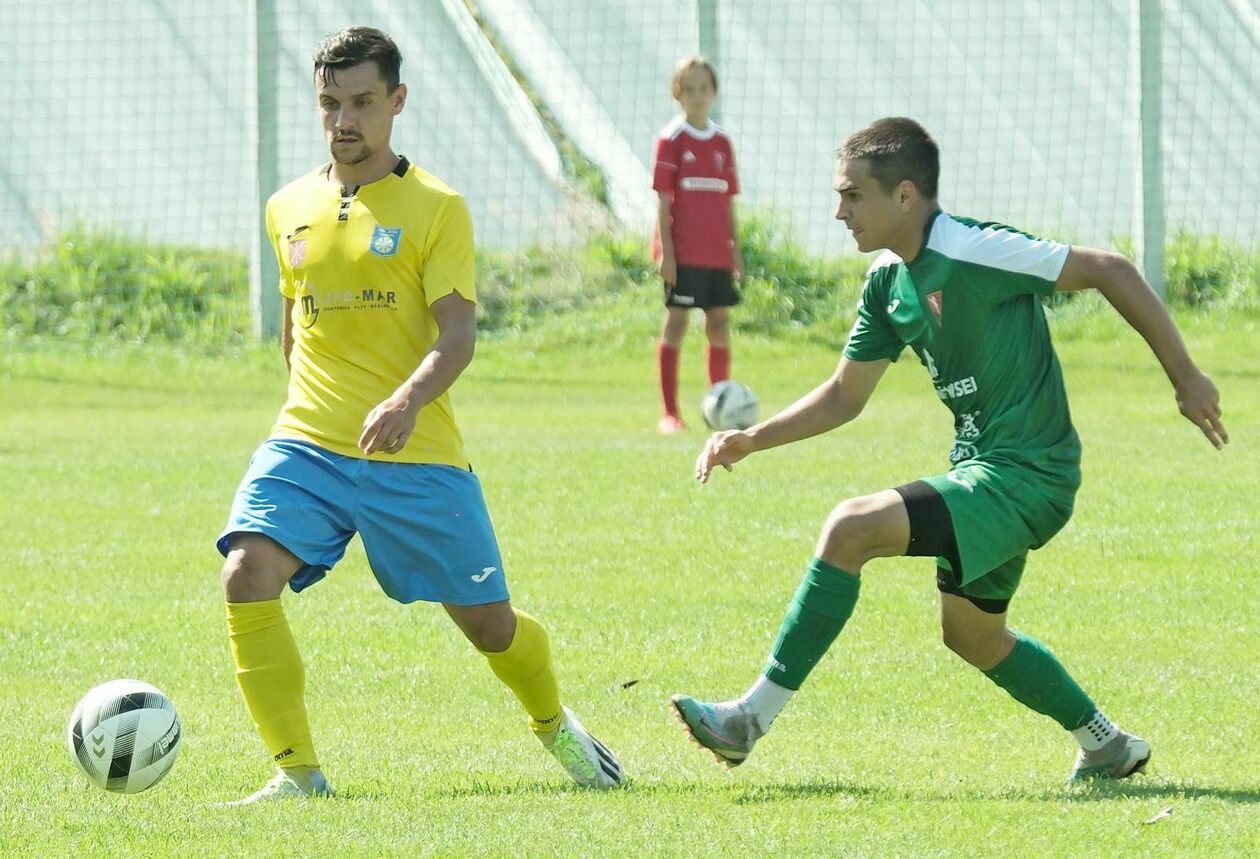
(297, 252)
(385, 241)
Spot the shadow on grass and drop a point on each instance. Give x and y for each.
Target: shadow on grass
(1095, 792)
(500, 789)
(789, 791)
(1163, 790)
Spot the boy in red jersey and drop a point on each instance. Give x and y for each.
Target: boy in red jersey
(696, 245)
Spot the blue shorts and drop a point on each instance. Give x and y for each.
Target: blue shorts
(425, 527)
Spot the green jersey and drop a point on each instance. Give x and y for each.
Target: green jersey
(969, 305)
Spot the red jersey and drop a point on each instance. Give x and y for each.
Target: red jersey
(697, 168)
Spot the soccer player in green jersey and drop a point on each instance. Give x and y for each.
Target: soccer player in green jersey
(966, 297)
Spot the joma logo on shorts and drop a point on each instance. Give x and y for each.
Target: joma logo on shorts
(957, 389)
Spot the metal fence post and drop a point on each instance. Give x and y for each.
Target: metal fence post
(1150, 54)
(708, 37)
(264, 270)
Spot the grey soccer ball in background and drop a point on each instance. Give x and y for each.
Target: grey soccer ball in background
(729, 405)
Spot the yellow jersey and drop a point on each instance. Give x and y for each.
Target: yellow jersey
(362, 266)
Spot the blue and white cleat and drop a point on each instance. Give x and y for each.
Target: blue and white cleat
(585, 758)
(1120, 758)
(728, 732)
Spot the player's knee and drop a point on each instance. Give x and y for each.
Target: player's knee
(675, 326)
(717, 325)
(248, 575)
(490, 638)
(488, 630)
(233, 570)
(846, 539)
(974, 647)
(236, 576)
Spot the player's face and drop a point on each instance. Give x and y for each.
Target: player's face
(872, 214)
(357, 111)
(696, 92)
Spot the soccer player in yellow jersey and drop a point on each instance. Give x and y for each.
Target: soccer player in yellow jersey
(376, 269)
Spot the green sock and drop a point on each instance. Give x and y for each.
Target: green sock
(815, 617)
(1034, 678)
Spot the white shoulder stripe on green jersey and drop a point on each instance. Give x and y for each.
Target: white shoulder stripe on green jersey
(999, 247)
(884, 260)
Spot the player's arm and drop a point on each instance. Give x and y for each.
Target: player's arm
(388, 426)
(286, 332)
(1121, 284)
(286, 285)
(669, 264)
(836, 401)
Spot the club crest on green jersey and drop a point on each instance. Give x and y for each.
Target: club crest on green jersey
(385, 241)
(934, 304)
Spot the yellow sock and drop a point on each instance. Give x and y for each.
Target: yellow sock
(525, 667)
(272, 680)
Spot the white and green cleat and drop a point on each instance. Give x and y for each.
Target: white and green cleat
(1120, 758)
(288, 785)
(583, 757)
(727, 732)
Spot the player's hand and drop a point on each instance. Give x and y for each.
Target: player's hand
(388, 426)
(669, 269)
(724, 449)
(1200, 403)
(737, 272)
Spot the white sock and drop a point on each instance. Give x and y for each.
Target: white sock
(765, 700)
(1096, 733)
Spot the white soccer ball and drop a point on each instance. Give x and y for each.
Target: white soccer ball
(729, 405)
(124, 735)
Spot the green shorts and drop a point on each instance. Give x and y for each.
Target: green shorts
(1000, 512)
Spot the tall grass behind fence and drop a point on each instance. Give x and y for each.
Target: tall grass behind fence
(91, 287)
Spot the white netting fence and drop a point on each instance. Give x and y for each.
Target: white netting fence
(142, 116)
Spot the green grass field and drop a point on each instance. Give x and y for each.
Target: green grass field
(116, 471)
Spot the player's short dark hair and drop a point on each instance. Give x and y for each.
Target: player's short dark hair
(896, 148)
(355, 45)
